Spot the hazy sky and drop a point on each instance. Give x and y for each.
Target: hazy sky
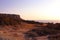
(32, 9)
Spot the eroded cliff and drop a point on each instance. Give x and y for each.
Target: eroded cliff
(13, 27)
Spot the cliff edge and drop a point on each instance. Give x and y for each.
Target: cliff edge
(9, 19)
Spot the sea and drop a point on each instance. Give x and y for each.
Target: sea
(48, 21)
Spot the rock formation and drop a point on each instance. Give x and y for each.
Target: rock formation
(13, 27)
(10, 27)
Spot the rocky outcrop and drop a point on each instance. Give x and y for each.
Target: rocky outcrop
(13, 27)
(9, 19)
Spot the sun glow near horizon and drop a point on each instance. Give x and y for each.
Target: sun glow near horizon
(46, 12)
(32, 9)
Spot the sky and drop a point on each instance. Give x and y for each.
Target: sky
(32, 9)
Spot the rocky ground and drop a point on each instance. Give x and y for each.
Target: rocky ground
(12, 27)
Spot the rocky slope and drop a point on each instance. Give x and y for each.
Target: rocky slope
(13, 27)
(9, 25)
